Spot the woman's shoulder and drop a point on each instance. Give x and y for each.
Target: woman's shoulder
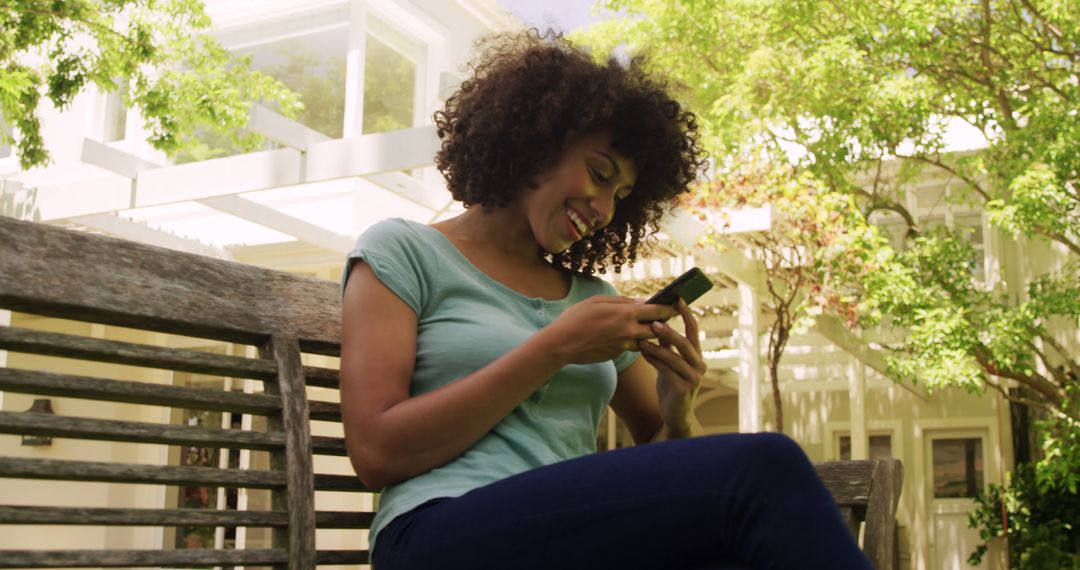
(394, 228)
(592, 285)
(394, 234)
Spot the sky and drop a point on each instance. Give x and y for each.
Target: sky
(563, 15)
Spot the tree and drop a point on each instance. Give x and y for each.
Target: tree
(179, 77)
(862, 94)
(815, 256)
(839, 88)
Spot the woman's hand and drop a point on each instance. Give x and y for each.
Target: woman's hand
(681, 367)
(601, 328)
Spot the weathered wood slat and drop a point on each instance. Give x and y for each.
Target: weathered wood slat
(15, 514)
(132, 558)
(324, 411)
(74, 275)
(321, 346)
(334, 557)
(300, 498)
(880, 543)
(343, 483)
(30, 423)
(86, 387)
(322, 445)
(99, 350)
(61, 470)
(848, 481)
(138, 517)
(321, 377)
(343, 519)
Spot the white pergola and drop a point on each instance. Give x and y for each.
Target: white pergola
(375, 176)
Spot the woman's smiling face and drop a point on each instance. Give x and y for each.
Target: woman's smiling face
(579, 194)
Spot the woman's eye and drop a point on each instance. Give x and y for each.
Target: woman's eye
(598, 176)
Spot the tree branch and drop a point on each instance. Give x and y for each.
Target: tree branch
(1050, 27)
(1071, 419)
(934, 162)
(1074, 367)
(1017, 399)
(984, 52)
(1058, 375)
(1050, 391)
(1061, 238)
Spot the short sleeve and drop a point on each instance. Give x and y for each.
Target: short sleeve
(399, 258)
(624, 360)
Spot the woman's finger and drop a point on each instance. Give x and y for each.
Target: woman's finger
(691, 325)
(684, 345)
(660, 366)
(674, 362)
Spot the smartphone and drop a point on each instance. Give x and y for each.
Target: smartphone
(688, 286)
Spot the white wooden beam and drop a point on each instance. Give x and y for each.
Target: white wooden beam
(328, 160)
(283, 130)
(687, 230)
(412, 189)
(279, 221)
(836, 331)
(218, 177)
(860, 442)
(114, 160)
(134, 231)
(372, 154)
(353, 119)
(749, 343)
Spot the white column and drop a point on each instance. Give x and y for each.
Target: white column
(860, 440)
(749, 344)
(354, 70)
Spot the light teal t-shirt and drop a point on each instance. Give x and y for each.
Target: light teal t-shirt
(465, 321)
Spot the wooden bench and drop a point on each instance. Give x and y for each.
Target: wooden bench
(86, 278)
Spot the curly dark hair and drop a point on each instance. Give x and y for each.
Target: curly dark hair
(529, 96)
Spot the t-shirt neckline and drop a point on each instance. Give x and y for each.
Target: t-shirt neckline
(457, 254)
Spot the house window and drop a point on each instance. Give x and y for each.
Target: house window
(958, 467)
(305, 52)
(5, 146)
(115, 117)
(880, 447)
(970, 225)
(389, 78)
(313, 65)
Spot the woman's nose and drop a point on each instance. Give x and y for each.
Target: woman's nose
(603, 203)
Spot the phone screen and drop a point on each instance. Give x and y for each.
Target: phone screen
(688, 286)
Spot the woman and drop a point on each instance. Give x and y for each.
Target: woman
(479, 353)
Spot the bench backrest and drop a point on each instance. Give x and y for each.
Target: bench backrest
(77, 276)
(868, 492)
(82, 277)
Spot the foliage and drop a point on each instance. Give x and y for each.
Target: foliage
(388, 88)
(861, 94)
(319, 83)
(178, 76)
(865, 96)
(1041, 506)
(815, 257)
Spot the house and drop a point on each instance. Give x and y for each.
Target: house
(362, 152)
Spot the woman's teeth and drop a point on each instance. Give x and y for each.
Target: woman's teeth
(580, 224)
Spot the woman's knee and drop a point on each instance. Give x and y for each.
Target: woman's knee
(773, 455)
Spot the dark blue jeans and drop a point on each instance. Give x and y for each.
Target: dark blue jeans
(718, 502)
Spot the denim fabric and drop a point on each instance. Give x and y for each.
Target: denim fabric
(708, 503)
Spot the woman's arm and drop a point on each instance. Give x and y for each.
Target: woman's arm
(391, 436)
